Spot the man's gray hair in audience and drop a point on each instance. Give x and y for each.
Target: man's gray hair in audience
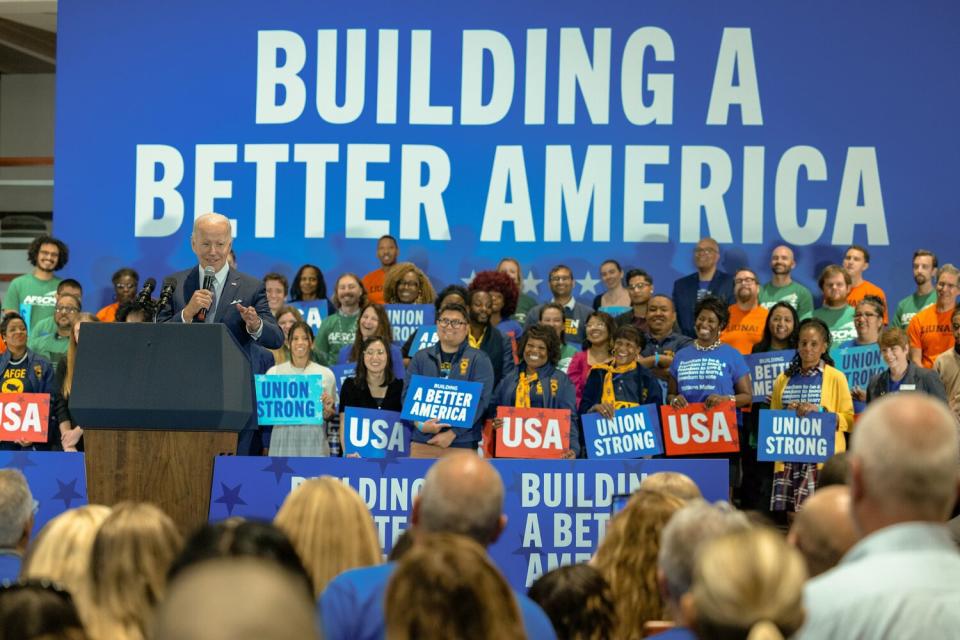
(906, 453)
(462, 493)
(691, 526)
(16, 507)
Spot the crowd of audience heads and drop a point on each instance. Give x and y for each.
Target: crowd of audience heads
(861, 546)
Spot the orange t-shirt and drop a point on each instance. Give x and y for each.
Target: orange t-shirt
(745, 328)
(865, 289)
(108, 313)
(3, 345)
(930, 331)
(373, 283)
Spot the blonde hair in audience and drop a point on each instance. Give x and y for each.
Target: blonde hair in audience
(627, 558)
(61, 552)
(748, 585)
(331, 529)
(445, 568)
(131, 555)
(72, 352)
(672, 484)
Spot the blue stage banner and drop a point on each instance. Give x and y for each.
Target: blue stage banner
(371, 433)
(557, 510)
(784, 436)
(289, 399)
(406, 319)
(58, 480)
(449, 401)
(576, 134)
(423, 338)
(764, 369)
(633, 432)
(314, 312)
(341, 372)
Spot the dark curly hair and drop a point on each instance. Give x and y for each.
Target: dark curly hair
(796, 366)
(33, 251)
(717, 306)
(631, 333)
(296, 294)
(546, 334)
(578, 601)
(7, 319)
(502, 284)
(453, 288)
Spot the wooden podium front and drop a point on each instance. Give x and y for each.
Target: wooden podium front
(158, 402)
(172, 469)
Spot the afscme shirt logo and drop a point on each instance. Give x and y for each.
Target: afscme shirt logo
(45, 300)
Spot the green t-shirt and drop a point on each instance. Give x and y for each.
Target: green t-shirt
(909, 306)
(794, 294)
(32, 298)
(525, 302)
(567, 352)
(336, 332)
(52, 347)
(839, 321)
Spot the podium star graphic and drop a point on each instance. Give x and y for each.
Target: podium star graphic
(68, 493)
(230, 497)
(21, 460)
(466, 281)
(279, 467)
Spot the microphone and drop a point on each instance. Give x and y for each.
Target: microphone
(166, 293)
(209, 280)
(147, 291)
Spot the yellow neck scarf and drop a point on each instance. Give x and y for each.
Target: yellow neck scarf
(523, 390)
(607, 396)
(475, 342)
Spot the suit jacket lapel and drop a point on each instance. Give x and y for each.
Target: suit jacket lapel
(231, 291)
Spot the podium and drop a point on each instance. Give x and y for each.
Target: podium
(158, 402)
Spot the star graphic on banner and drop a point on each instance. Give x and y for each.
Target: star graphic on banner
(67, 493)
(279, 468)
(588, 284)
(466, 281)
(231, 497)
(530, 284)
(21, 460)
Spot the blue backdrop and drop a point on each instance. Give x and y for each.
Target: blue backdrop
(551, 132)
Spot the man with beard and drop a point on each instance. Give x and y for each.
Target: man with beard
(662, 342)
(924, 271)
(53, 347)
(387, 252)
(488, 338)
(33, 295)
(340, 329)
(930, 331)
(834, 283)
(707, 281)
(782, 286)
(640, 288)
(575, 314)
(747, 317)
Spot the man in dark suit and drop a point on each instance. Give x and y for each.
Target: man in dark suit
(707, 281)
(238, 301)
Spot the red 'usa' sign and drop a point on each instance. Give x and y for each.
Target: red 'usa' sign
(533, 433)
(24, 416)
(696, 430)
